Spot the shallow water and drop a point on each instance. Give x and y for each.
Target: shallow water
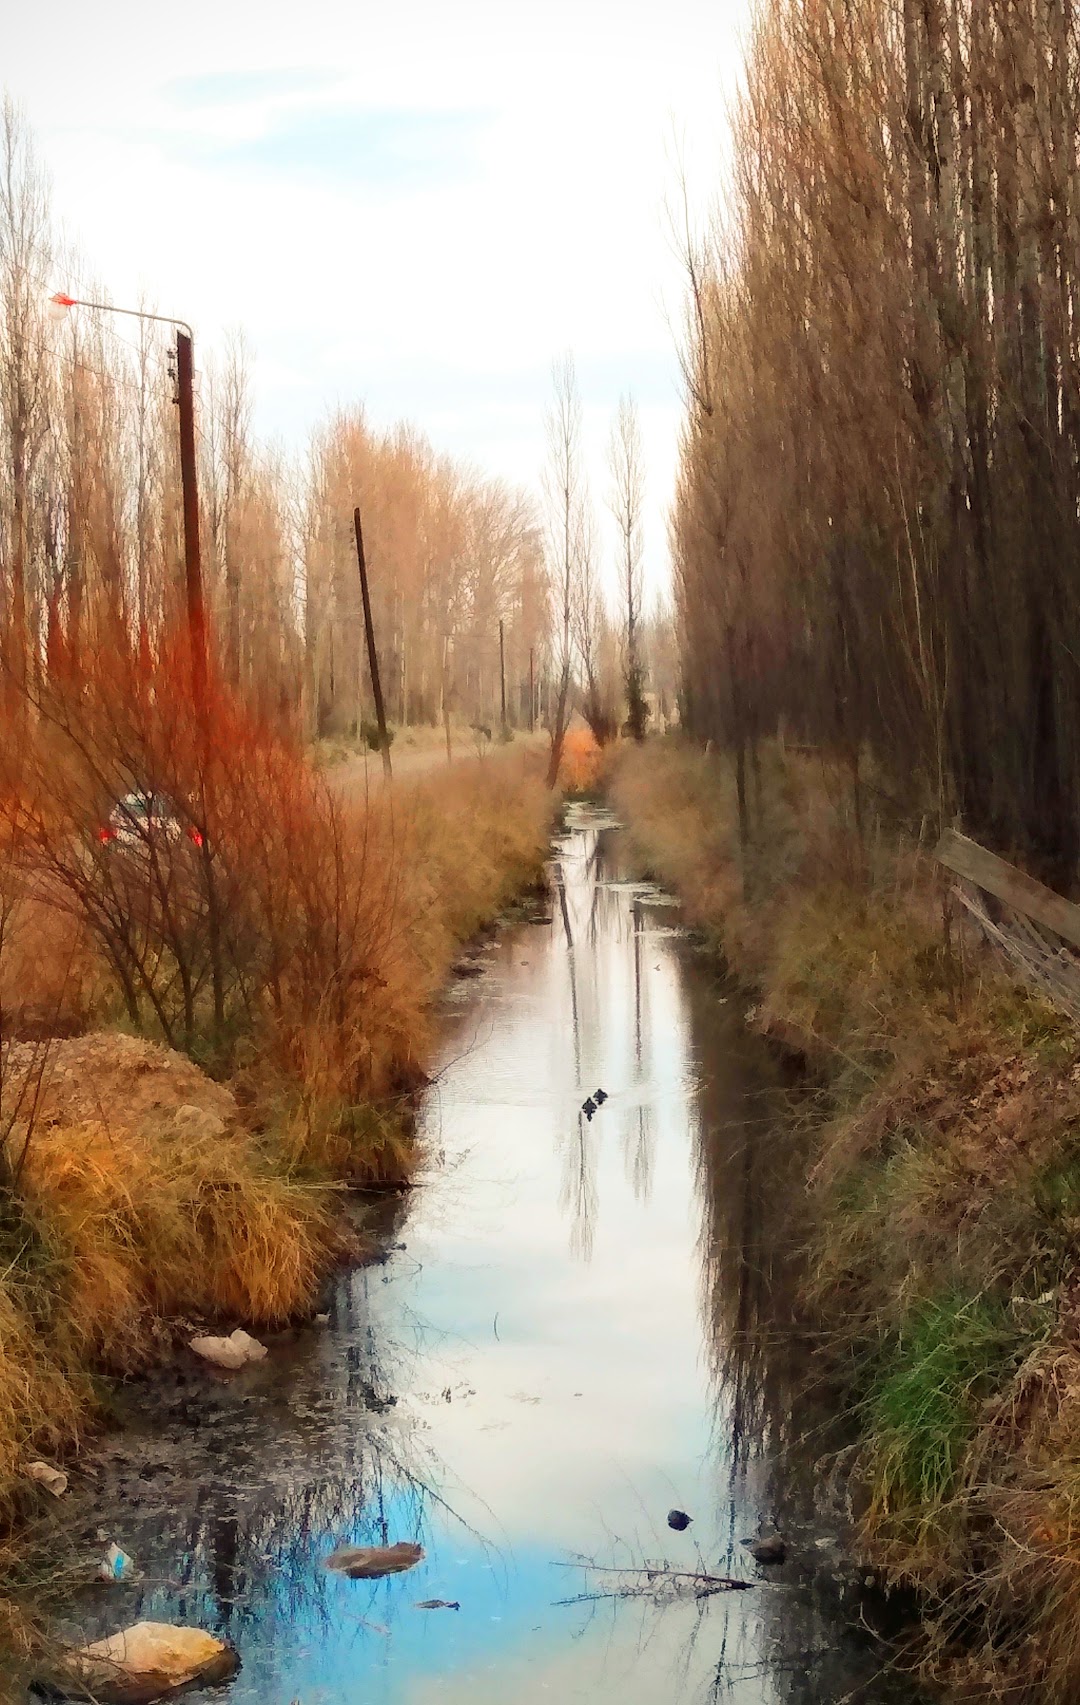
(583, 1327)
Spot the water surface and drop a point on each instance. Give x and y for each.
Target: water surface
(580, 1324)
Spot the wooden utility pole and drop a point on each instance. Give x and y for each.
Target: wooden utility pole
(196, 609)
(373, 658)
(502, 674)
(532, 690)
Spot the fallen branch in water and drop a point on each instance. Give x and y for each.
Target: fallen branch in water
(657, 1581)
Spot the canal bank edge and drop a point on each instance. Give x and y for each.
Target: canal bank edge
(152, 1203)
(940, 1133)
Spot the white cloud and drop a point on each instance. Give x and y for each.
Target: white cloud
(415, 205)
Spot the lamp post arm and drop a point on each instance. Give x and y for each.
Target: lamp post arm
(133, 313)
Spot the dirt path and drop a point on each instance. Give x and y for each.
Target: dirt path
(365, 770)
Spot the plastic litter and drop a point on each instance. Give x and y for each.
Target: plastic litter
(116, 1565)
(232, 1352)
(54, 1480)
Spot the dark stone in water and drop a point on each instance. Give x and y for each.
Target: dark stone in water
(369, 1562)
(770, 1548)
(438, 1604)
(679, 1520)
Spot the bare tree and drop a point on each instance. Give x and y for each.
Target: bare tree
(626, 501)
(564, 493)
(25, 244)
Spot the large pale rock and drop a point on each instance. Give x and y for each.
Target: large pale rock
(368, 1562)
(151, 1660)
(232, 1352)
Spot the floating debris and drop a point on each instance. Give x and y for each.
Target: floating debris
(116, 1565)
(232, 1352)
(54, 1480)
(369, 1562)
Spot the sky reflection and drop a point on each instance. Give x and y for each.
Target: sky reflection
(573, 1339)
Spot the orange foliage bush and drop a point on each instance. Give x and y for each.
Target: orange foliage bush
(581, 759)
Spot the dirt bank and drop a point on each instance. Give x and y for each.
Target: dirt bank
(141, 1200)
(941, 1134)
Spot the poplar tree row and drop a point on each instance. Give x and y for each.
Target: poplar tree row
(91, 543)
(877, 527)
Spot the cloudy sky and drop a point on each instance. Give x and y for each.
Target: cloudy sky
(417, 204)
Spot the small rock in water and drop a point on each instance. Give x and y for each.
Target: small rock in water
(368, 1562)
(770, 1548)
(232, 1352)
(148, 1662)
(679, 1520)
(438, 1604)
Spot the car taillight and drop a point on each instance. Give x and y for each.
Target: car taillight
(197, 836)
(106, 834)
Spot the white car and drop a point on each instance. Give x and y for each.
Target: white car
(142, 820)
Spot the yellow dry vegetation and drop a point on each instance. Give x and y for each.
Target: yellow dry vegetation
(155, 1210)
(940, 1135)
(452, 848)
(143, 1198)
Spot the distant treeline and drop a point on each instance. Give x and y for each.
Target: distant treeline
(878, 522)
(91, 539)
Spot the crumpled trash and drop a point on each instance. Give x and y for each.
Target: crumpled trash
(232, 1352)
(368, 1562)
(116, 1565)
(54, 1480)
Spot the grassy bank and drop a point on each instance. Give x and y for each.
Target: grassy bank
(941, 1134)
(142, 1197)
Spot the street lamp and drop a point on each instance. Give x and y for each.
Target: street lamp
(59, 307)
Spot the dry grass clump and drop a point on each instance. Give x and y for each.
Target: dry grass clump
(440, 857)
(943, 1173)
(140, 1201)
(152, 1224)
(41, 1407)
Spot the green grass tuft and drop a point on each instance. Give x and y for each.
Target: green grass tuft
(922, 1410)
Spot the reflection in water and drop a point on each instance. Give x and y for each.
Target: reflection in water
(580, 1326)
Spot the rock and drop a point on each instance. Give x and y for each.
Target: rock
(54, 1480)
(149, 1661)
(770, 1548)
(437, 1604)
(232, 1352)
(196, 1124)
(368, 1562)
(679, 1520)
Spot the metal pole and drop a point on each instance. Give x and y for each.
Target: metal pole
(196, 611)
(502, 674)
(373, 659)
(532, 691)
